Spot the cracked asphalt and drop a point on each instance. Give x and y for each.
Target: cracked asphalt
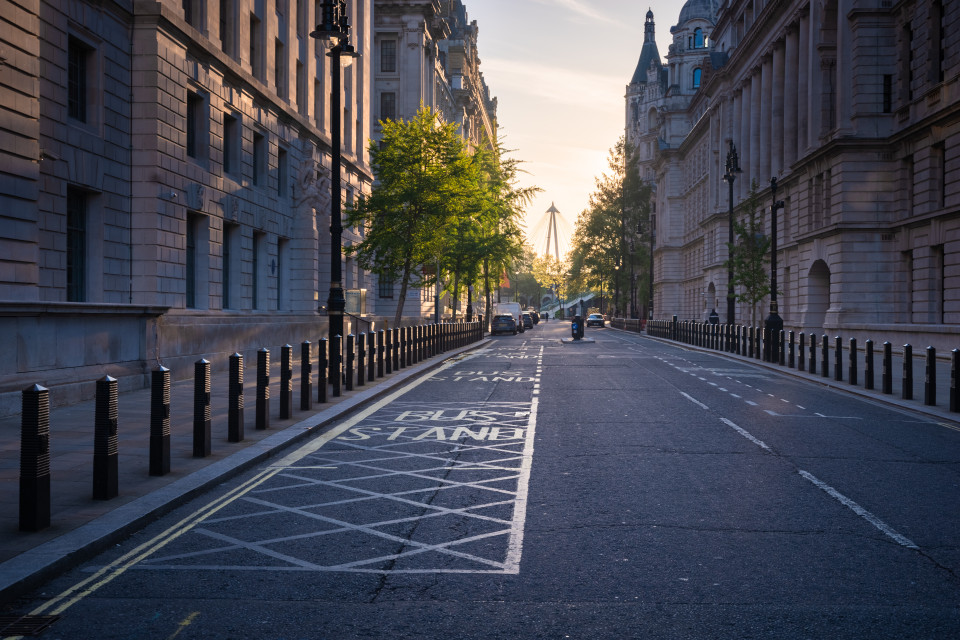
(623, 488)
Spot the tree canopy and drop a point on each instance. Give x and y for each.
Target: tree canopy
(437, 203)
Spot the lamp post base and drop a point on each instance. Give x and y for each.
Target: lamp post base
(772, 326)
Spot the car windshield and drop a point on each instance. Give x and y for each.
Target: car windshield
(594, 316)
(504, 318)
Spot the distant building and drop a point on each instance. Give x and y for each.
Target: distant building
(426, 55)
(166, 179)
(855, 108)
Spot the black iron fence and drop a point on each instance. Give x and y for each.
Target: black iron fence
(796, 350)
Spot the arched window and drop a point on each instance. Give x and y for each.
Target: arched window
(698, 38)
(697, 73)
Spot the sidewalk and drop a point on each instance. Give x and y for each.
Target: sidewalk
(81, 527)
(939, 412)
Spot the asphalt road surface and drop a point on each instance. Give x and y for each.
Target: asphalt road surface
(621, 488)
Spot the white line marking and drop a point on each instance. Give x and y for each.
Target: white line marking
(751, 403)
(696, 402)
(860, 511)
(745, 434)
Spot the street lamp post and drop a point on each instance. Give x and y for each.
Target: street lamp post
(773, 323)
(733, 168)
(335, 28)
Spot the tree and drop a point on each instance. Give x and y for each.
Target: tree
(748, 255)
(424, 178)
(550, 272)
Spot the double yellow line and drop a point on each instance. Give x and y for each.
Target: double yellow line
(79, 591)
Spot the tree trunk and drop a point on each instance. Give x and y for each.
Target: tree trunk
(404, 283)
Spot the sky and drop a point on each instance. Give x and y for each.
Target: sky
(559, 69)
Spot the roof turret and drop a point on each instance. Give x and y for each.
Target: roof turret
(649, 53)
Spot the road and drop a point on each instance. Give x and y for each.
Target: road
(620, 488)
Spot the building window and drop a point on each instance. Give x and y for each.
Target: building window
(318, 104)
(230, 264)
(937, 31)
(301, 89)
(283, 173)
(259, 172)
(76, 245)
(192, 12)
(231, 144)
(256, 47)
(280, 69)
(906, 62)
(697, 74)
(259, 257)
(79, 61)
(227, 27)
(385, 287)
(302, 19)
(388, 105)
(887, 93)
(939, 159)
(196, 126)
(283, 249)
(191, 261)
(698, 41)
(388, 56)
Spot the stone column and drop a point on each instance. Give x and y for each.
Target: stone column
(790, 85)
(756, 86)
(776, 122)
(803, 86)
(766, 114)
(743, 145)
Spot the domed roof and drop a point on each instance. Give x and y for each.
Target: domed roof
(703, 9)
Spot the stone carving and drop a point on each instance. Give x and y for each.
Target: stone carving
(311, 188)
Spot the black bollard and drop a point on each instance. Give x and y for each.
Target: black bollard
(838, 360)
(286, 382)
(105, 449)
(35, 458)
(792, 355)
(336, 368)
(322, 371)
(801, 362)
(824, 356)
(388, 351)
(812, 363)
(783, 348)
(361, 359)
(201, 409)
(868, 365)
(403, 347)
(160, 422)
(906, 391)
(263, 389)
(395, 343)
(930, 383)
(351, 361)
(381, 347)
(306, 377)
(852, 369)
(886, 374)
(235, 401)
(954, 372)
(371, 356)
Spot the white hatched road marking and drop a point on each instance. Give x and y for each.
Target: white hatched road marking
(391, 468)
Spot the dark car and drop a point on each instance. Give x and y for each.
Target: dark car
(595, 320)
(527, 320)
(503, 324)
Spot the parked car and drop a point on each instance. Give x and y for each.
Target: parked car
(527, 320)
(595, 320)
(503, 324)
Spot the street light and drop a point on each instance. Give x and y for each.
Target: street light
(773, 323)
(733, 168)
(335, 29)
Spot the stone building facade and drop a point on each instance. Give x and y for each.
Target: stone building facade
(166, 184)
(425, 53)
(854, 106)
